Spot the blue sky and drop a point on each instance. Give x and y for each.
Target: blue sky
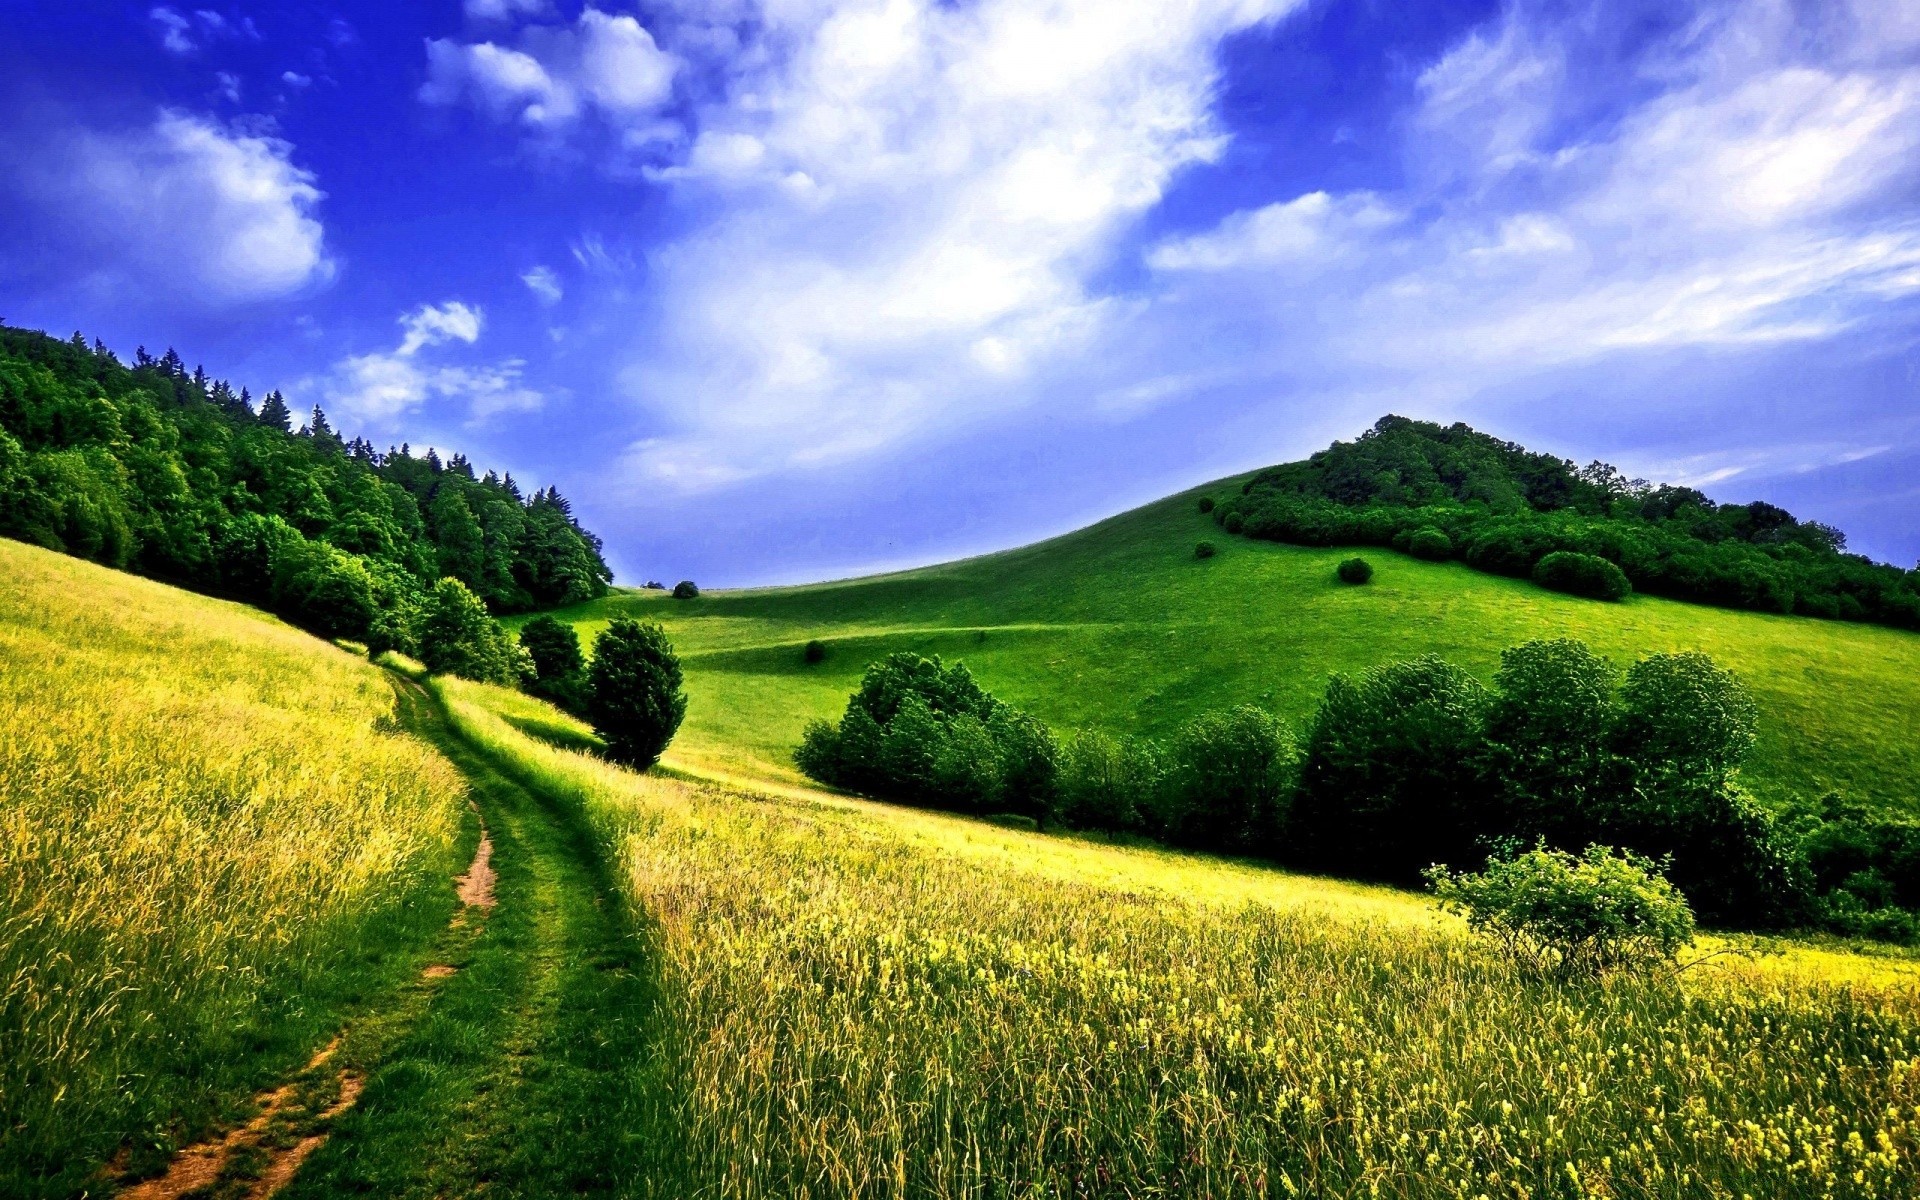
(784, 289)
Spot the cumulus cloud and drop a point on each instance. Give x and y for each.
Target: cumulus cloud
(225, 214)
(379, 388)
(913, 196)
(555, 74)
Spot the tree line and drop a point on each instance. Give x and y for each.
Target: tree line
(1406, 765)
(169, 473)
(1450, 492)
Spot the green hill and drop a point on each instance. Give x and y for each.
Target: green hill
(1119, 626)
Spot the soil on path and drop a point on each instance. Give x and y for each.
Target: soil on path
(520, 1063)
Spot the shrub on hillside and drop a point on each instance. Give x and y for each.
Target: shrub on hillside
(633, 692)
(559, 668)
(1390, 780)
(816, 651)
(1204, 550)
(1546, 753)
(1355, 570)
(685, 590)
(1582, 575)
(458, 637)
(1108, 783)
(924, 732)
(1573, 916)
(1429, 543)
(1206, 504)
(1228, 778)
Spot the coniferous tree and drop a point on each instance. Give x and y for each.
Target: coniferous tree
(274, 411)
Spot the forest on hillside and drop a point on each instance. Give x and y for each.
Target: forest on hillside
(1452, 492)
(169, 473)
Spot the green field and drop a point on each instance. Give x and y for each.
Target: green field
(1120, 627)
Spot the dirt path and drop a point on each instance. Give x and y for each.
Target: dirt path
(528, 1073)
(260, 1158)
(517, 1063)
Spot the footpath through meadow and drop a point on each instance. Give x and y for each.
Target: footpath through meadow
(513, 1065)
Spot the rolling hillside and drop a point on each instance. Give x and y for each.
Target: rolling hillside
(1119, 626)
(213, 843)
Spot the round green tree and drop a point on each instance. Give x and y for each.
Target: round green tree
(633, 692)
(459, 637)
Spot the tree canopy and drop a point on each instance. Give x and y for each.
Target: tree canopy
(165, 472)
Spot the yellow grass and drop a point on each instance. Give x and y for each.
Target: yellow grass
(201, 811)
(872, 1001)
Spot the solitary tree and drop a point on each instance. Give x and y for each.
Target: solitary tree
(633, 692)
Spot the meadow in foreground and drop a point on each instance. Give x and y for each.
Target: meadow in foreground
(210, 830)
(873, 1002)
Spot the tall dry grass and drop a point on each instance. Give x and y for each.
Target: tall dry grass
(203, 815)
(865, 1006)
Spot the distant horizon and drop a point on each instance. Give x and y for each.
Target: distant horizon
(782, 294)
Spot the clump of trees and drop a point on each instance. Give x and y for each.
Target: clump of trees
(166, 472)
(1405, 765)
(1449, 492)
(921, 731)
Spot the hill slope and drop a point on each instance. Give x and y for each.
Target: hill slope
(1119, 626)
(211, 838)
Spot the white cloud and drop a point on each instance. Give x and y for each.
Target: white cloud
(176, 31)
(430, 325)
(186, 33)
(556, 73)
(295, 79)
(913, 196)
(544, 284)
(1315, 228)
(1733, 208)
(379, 388)
(227, 215)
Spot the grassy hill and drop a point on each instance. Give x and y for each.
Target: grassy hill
(1119, 626)
(211, 833)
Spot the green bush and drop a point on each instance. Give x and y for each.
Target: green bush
(1206, 504)
(1582, 575)
(1204, 550)
(815, 652)
(1573, 916)
(1391, 777)
(685, 590)
(1108, 783)
(1355, 570)
(633, 692)
(1430, 543)
(923, 732)
(559, 668)
(1228, 779)
(458, 637)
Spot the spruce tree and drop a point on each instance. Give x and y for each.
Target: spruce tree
(274, 411)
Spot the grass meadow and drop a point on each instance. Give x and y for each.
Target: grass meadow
(211, 832)
(879, 1002)
(1119, 627)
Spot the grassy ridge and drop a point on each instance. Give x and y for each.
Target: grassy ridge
(1118, 626)
(878, 1001)
(210, 834)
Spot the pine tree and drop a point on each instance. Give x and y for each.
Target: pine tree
(246, 401)
(274, 411)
